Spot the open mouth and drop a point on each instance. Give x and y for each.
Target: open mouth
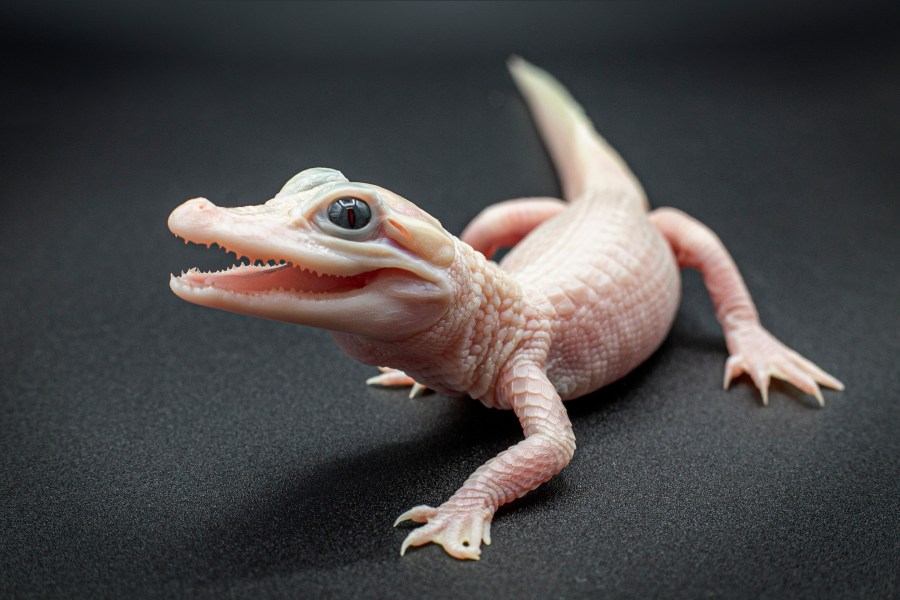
(261, 276)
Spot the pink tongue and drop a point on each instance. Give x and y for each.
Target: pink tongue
(251, 279)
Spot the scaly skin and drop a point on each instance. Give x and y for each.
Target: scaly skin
(588, 292)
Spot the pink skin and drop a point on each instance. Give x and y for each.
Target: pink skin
(752, 349)
(588, 292)
(503, 225)
(602, 275)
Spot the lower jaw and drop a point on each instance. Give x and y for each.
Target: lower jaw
(252, 280)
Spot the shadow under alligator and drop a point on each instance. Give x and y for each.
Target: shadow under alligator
(341, 511)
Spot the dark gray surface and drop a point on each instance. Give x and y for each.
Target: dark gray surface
(155, 448)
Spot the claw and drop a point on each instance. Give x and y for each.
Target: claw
(407, 516)
(756, 352)
(761, 378)
(418, 514)
(733, 368)
(795, 374)
(390, 378)
(380, 380)
(406, 543)
(819, 398)
(816, 372)
(396, 378)
(459, 533)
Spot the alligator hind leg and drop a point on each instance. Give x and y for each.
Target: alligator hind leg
(752, 349)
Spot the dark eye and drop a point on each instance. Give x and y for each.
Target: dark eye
(349, 212)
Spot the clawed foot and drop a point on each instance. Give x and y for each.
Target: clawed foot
(756, 352)
(460, 531)
(396, 378)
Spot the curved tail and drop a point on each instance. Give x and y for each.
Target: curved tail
(585, 162)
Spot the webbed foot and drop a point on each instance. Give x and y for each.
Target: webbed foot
(459, 530)
(758, 353)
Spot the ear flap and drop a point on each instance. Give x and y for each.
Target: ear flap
(421, 238)
(309, 179)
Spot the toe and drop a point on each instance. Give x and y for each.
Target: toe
(415, 538)
(456, 542)
(799, 378)
(473, 537)
(390, 378)
(761, 377)
(734, 366)
(459, 533)
(816, 372)
(418, 514)
(417, 390)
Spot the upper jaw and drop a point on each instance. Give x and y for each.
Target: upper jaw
(258, 233)
(290, 260)
(272, 233)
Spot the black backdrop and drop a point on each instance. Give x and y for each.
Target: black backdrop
(154, 448)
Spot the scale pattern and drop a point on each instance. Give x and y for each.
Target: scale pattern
(599, 291)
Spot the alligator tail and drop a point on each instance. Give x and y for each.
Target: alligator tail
(587, 165)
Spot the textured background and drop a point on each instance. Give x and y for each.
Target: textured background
(153, 448)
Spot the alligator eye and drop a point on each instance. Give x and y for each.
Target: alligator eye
(349, 212)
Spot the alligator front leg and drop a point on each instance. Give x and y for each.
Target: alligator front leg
(396, 378)
(503, 225)
(461, 523)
